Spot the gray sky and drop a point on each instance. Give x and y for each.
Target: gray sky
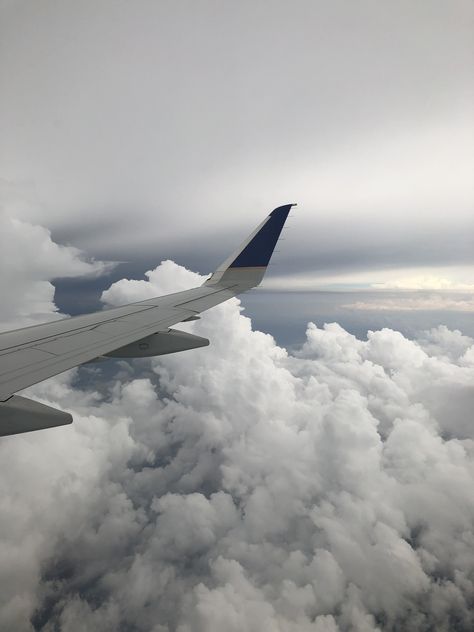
(145, 130)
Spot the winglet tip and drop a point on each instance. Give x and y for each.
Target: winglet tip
(283, 210)
(255, 254)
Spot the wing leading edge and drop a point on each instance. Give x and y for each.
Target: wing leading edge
(33, 354)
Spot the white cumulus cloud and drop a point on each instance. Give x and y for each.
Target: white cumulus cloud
(242, 487)
(29, 260)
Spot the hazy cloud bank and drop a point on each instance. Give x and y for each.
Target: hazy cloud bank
(243, 488)
(432, 302)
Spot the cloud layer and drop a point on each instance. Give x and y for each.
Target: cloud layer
(29, 260)
(432, 302)
(241, 487)
(149, 127)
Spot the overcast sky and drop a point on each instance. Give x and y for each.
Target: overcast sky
(147, 130)
(257, 485)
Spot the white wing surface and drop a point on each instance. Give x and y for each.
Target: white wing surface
(33, 354)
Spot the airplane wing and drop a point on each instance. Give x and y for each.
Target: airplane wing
(33, 354)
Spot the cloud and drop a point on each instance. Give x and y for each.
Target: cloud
(423, 282)
(168, 277)
(241, 486)
(132, 155)
(247, 488)
(29, 260)
(407, 278)
(435, 302)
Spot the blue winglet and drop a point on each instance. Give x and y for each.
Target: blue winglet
(259, 250)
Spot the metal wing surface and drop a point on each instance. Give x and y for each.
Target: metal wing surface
(33, 354)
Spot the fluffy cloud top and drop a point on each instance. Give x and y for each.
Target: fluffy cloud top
(29, 259)
(241, 487)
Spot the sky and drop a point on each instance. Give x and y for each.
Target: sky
(145, 131)
(312, 469)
